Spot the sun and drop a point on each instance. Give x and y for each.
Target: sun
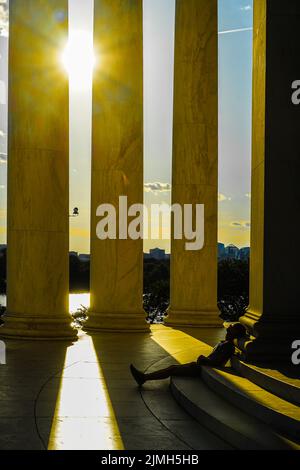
(78, 59)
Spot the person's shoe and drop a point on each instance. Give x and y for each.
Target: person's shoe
(137, 375)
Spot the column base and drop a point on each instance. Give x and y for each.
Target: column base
(116, 323)
(37, 328)
(270, 338)
(262, 351)
(193, 319)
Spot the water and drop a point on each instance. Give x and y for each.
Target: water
(2, 300)
(76, 301)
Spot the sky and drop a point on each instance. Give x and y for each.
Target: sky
(235, 95)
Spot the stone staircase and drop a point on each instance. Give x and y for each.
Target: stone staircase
(261, 413)
(283, 382)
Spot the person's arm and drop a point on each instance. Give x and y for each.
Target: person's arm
(219, 356)
(204, 361)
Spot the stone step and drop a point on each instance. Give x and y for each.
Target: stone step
(182, 426)
(283, 381)
(234, 426)
(279, 414)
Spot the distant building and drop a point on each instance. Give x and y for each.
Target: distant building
(245, 253)
(2, 250)
(221, 251)
(157, 253)
(73, 253)
(232, 252)
(84, 258)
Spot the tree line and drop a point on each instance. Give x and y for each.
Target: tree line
(233, 284)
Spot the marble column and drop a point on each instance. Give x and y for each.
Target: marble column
(38, 173)
(117, 164)
(273, 318)
(195, 161)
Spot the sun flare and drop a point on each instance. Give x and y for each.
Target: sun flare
(79, 60)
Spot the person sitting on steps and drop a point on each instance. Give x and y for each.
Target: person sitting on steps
(220, 355)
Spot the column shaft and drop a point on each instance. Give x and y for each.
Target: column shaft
(273, 317)
(38, 173)
(117, 164)
(195, 160)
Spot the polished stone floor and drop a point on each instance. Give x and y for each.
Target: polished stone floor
(55, 395)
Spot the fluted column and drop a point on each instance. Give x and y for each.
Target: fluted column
(117, 164)
(273, 317)
(195, 160)
(38, 240)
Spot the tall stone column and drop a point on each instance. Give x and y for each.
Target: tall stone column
(117, 164)
(195, 160)
(38, 173)
(273, 318)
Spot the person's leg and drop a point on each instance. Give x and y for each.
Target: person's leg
(204, 361)
(180, 370)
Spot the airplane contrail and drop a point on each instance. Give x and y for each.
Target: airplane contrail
(235, 30)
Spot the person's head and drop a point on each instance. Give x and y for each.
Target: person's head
(236, 331)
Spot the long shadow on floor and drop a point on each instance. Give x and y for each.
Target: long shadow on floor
(26, 411)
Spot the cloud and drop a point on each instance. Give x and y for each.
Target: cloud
(3, 158)
(2, 134)
(222, 197)
(157, 187)
(248, 195)
(3, 18)
(246, 8)
(241, 224)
